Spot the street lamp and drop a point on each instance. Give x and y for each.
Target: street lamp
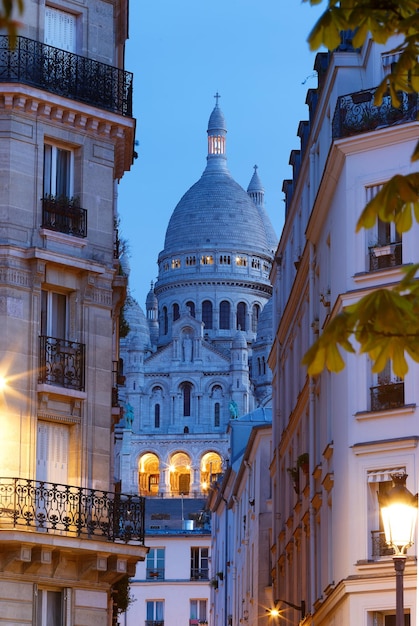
(275, 612)
(399, 510)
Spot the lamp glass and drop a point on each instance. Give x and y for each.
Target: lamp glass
(399, 524)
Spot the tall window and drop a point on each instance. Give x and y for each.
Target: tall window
(58, 171)
(241, 316)
(198, 611)
(53, 314)
(255, 317)
(199, 563)
(207, 313)
(165, 321)
(154, 612)
(191, 306)
(49, 608)
(60, 29)
(155, 564)
(157, 416)
(216, 414)
(176, 313)
(186, 393)
(224, 315)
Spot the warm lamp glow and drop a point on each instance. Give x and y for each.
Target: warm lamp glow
(399, 509)
(204, 486)
(3, 383)
(171, 468)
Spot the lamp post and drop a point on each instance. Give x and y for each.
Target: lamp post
(399, 510)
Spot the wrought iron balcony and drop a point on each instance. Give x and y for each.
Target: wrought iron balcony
(379, 544)
(200, 573)
(66, 74)
(386, 255)
(155, 573)
(356, 113)
(76, 511)
(387, 396)
(61, 363)
(154, 622)
(64, 216)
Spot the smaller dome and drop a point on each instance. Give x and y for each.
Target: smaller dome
(216, 121)
(125, 266)
(139, 334)
(239, 340)
(265, 330)
(151, 302)
(255, 184)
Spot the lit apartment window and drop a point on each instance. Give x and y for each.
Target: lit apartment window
(199, 563)
(58, 171)
(155, 564)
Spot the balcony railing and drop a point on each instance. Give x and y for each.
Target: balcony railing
(199, 573)
(155, 573)
(65, 74)
(62, 215)
(385, 256)
(76, 511)
(387, 396)
(356, 113)
(61, 363)
(154, 622)
(379, 544)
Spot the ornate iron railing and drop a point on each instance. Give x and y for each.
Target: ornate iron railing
(56, 508)
(66, 74)
(387, 396)
(385, 256)
(62, 363)
(64, 216)
(356, 113)
(379, 544)
(154, 573)
(153, 622)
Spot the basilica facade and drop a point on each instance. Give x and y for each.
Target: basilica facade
(198, 357)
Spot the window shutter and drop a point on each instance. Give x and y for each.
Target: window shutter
(60, 29)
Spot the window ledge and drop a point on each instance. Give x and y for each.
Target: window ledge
(401, 410)
(63, 239)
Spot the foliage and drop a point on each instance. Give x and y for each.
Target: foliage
(384, 322)
(7, 22)
(121, 597)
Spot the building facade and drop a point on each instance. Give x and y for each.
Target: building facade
(338, 438)
(67, 137)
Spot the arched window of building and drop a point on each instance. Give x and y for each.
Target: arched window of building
(241, 316)
(207, 313)
(186, 393)
(176, 313)
(165, 321)
(216, 414)
(224, 315)
(259, 367)
(157, 416)
(191, 306)
(255, 317)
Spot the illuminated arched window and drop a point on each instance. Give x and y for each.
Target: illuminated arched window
(186, 393)
(224, 315)
(241, 316)
(207, 313)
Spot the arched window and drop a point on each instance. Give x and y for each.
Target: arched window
(186, 393)
(207, 313)
(176, 313)
(165, 321)
(217, 414)
(255, 317)
(241, 316)
(224, 315)
(191, 306)
(157, 416)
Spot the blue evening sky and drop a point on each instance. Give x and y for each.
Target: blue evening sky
(255, 54)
